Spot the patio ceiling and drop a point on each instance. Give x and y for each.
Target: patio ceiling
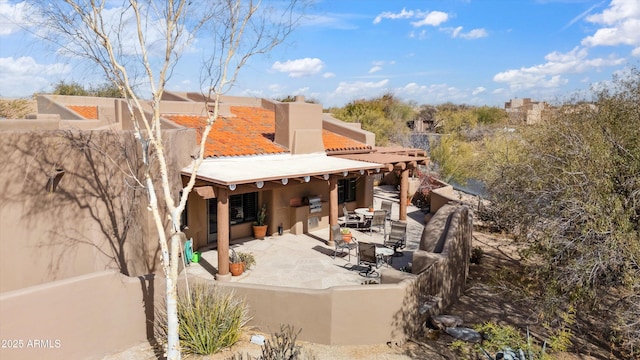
(233, 171)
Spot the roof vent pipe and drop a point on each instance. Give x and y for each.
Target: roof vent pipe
(300, 98)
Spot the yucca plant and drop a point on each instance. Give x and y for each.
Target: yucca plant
(210, 319)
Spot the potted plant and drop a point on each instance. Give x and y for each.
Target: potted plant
(236, 265)
(247, 259)
(346, 235)
(259, 226)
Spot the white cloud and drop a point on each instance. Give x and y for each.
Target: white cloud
(478, 90)
(359, 87)
(435, 93)
(622, 25)
(403, 14)
(20, 76)
(276, 88)
(14, 17)
(434, 18)
(549, 74)
(299, 67)
(328, 75)
(375, 69)
(420, 36)
(473, 34)
(636, 52)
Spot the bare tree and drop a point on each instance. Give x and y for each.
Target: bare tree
(137, 45)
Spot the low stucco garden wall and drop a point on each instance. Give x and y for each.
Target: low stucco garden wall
(372, 314)
(85, 317)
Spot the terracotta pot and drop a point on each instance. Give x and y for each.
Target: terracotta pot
(259, 231)
(347, 237)
(236, 268)
(371, 209)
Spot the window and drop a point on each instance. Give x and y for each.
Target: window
(346, 190)
(243, 208)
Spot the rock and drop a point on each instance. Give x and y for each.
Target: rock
(445, 321)
(465, 334)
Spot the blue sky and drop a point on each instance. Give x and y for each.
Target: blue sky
(479, 52)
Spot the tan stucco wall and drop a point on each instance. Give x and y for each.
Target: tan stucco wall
(84, 317)
(343, 315)
(95, 220)
(442, 196)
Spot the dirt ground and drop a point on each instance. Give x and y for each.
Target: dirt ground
(486, 299)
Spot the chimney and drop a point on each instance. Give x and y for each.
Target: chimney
(299, 126)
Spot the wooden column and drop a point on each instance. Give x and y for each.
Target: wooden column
(333, 206)
(223, 235)
(404, 189)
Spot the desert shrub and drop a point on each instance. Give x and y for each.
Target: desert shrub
(571, 194)
(280, 346)
(15, 108)
(476, 255)
(210, 319)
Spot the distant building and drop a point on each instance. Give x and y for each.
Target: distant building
(525, 111)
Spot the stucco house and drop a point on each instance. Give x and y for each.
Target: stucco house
(75, 229)
(280, 155)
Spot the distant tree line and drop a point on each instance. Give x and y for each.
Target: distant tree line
(75, 89)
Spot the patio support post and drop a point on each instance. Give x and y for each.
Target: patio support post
(404, 190)
(223, 235)
(333, 206)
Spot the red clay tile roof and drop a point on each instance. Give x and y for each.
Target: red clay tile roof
(251, 132)
(336, 142)
(87, 112)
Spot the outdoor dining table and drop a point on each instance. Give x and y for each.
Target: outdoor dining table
(385, 253)
(364, 212)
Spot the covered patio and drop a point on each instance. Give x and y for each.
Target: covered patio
(272, 176)
(306, 260)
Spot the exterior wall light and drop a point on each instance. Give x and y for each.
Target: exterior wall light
(259, 184)
(325, 176)
(232, 187)
(285, 181)
(307, 178)
(54, 179)
(345, 173)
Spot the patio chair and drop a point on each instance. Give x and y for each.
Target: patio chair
(379, 219)
(387, 206)
(349, 217)
(367, 257)
(397, 238)
(340, 244)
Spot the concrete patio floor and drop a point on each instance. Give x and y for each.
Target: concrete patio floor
(306, 261)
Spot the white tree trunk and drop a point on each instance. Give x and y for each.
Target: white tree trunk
(173, 339)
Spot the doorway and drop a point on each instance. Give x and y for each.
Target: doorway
(212, 220)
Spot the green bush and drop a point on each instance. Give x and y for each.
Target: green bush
(210, 319)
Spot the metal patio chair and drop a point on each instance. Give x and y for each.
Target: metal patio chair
(367, 257)
(341, 245)
(397, 238)
(350, 217)
(387, 206)
(379, 220)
